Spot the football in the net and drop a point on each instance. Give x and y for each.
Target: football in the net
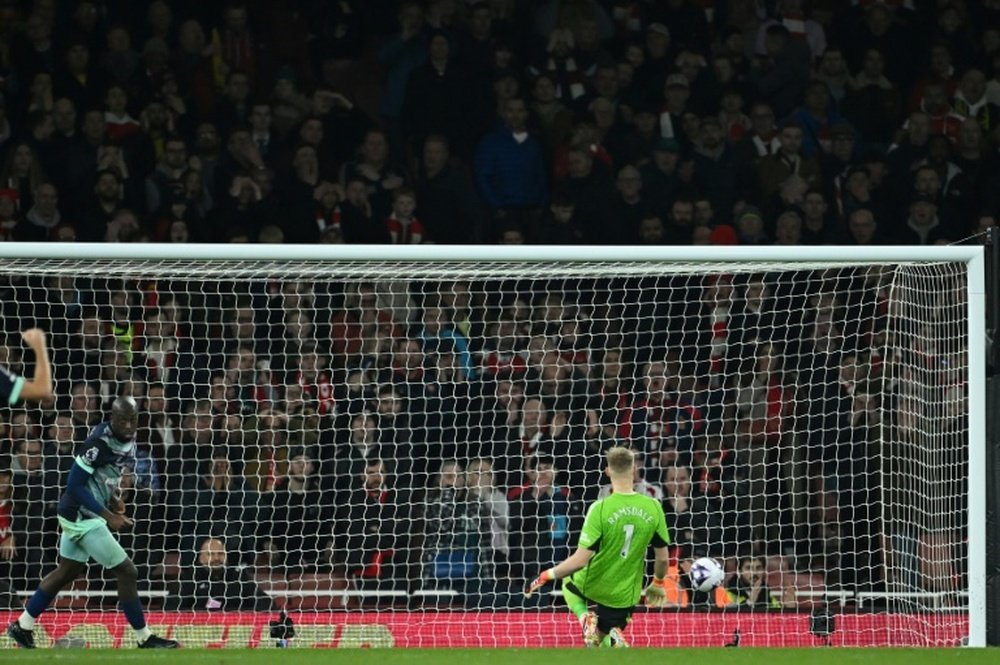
(706, 574)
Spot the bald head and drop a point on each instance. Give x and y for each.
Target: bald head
(124, 418)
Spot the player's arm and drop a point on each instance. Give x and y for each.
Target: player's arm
(76, 487)
(656, 593)
(577, 560)
(39, 387)
(590, 538)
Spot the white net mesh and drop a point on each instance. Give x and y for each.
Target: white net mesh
(356, 442)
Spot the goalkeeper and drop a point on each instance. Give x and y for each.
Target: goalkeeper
(607, 568)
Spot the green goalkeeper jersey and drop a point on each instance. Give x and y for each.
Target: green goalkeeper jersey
(619, 529)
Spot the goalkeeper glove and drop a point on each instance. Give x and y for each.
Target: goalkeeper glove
(656, 592)
(540, 581)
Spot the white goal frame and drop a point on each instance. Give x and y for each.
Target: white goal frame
(972, 256)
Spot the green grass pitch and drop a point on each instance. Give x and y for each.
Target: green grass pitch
(817, 656)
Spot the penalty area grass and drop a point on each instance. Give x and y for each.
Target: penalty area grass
(743, 656)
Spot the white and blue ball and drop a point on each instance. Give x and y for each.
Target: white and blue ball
(706, 574)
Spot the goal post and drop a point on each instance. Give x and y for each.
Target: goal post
(833, 395)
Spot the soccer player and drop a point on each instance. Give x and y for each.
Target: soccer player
(608, 566)
(36, 389)
(89, 510)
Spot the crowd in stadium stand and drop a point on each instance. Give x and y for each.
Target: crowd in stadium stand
(279, 410)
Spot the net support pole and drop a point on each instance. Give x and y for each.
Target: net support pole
(977, 448)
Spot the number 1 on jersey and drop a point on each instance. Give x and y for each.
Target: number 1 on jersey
(629, 532)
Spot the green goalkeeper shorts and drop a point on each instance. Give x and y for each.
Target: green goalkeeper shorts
(88, 539)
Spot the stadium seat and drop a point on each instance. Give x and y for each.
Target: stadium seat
(299, 598)
(67, 600)
(275, 586)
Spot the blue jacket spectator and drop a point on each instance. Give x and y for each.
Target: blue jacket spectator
(510, 171)
(402, 54)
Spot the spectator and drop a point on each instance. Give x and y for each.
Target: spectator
(676, 93)
(782, 71)
(32, 493)
(158, 428)
(8, 533)
(553, 115)
(560, 224)
(872, 103)
(749, 590)
(299, 512)
(653, 64)
(401, 55)
(237, 43)
(663, 175)
(971, 155)
(437, 325)
(540, 514)
(221, 501)
(22, 172)
(449, 206)
(373, 545)
(762, 139)
(120, 125)
(776, 169)
(795, 17)
(629, 205)
(166, 179)
(106, 202)
(453, 554)
(679, 509)
(509, 167)
(403, 228)
(494, 508)
(750, 227)
(78, 79)
(937, 105)
(862, 228)
(831, 69)
(816, 229)
(344, 124)
(436, 100)
(43, 217)
(718, 174)
(374, 169)
(11, 225)
(817, 117)
(212, 582)
(736, 124)
(923, 227)
(970, 101)
(85, 407)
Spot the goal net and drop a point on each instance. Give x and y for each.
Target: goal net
(388, 449)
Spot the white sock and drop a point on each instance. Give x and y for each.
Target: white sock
(142, 634)
(26, 621)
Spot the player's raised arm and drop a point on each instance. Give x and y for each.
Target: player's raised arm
(39, 387)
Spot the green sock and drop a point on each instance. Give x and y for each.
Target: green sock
(606, 642)
(576, 604)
